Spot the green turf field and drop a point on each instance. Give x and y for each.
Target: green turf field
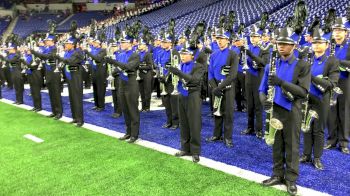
(75, 161)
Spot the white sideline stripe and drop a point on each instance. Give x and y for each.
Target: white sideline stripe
(229, 169)
(33, 138)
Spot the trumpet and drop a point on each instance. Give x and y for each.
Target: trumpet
(110, 79)
(308, 116)
(272, 124)
(335, 92)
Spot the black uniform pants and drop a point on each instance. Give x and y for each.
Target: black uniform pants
(8, 77)
(129, 94)
(225, 122)
(254, 106)
(171, 108)
(86, 77)
(285, 150)
(156, 86)
(314, 139)
(75, 89)
(190, 111)
(35, 80)
(240, 91)
(53, 82)
(146, 89)
(116, 97)
(17, 78)
(338, 120)
(99, 85)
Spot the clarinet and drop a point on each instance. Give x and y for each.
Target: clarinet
(272, 124)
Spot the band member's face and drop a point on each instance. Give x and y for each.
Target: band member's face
(200, 45)
(125, 45)
(222, 42)
(41, 44)
(68, 46)
(96, 45)
(185, 58)
(166, 45)
(265, 38)
(255, 40)
(308, 38)
(285, 49)
(142, 47)
(182, 40)
(49, 43)
(319, 47)
(339, 34)
(12, 50)
(238, 43)
(157, 42)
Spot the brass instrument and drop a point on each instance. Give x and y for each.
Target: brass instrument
(308, 116)
(110, 79)
(60, 52)
(335, 92)
(244, 56)
(272, 124)
(218, 100)
(175, 78)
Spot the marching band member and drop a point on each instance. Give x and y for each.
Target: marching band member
(324, 77)
(292, 76)
(222, 72)
(190, 104)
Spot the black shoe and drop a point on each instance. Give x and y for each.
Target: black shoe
(94, 108)
(147, 110)
(51, 115)
(166, 125)
(19, 103)
(248, 131)
(317, 163)
(174, 127)
(274, 180)
(182, 153)
(99, 109)
(259, 134)
(329, 146)
(33, 109)
(15, 103)
(195, 158)
(213, 139)
(305, 159)
(73, 121)
(161, 105)
(132, 140)
(38, 110)
(228, 143)
(345, 150)
(125, 137)
(58, 116)
(116, 115)
(79, 124)
(291, 188)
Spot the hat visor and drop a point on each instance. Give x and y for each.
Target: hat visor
(166, 40)
(339, 27)
(319, 40)
(125, 41)
(255, 35)
(285, 40)
(186, 52)
(222, 36)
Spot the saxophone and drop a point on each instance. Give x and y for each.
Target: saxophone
(272, 124)
(162, 86)
(174, 78)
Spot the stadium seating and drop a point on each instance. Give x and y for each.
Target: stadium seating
(3, 25)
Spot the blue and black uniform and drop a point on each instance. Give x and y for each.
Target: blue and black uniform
(222, 72)
(14, 62)
(53, 78)
(294, 77)
(99, 76)
(146, 76)
(240, 83)
(190, 105)
(324, 77)
(128, 62)
(339, 122)
(35, 80)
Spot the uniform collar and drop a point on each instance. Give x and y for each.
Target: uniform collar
(321, 58)
(290, 59)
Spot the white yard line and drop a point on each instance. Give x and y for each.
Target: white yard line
(33, 138)
(229, 169)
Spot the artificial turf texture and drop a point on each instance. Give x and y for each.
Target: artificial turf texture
(75, 161)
